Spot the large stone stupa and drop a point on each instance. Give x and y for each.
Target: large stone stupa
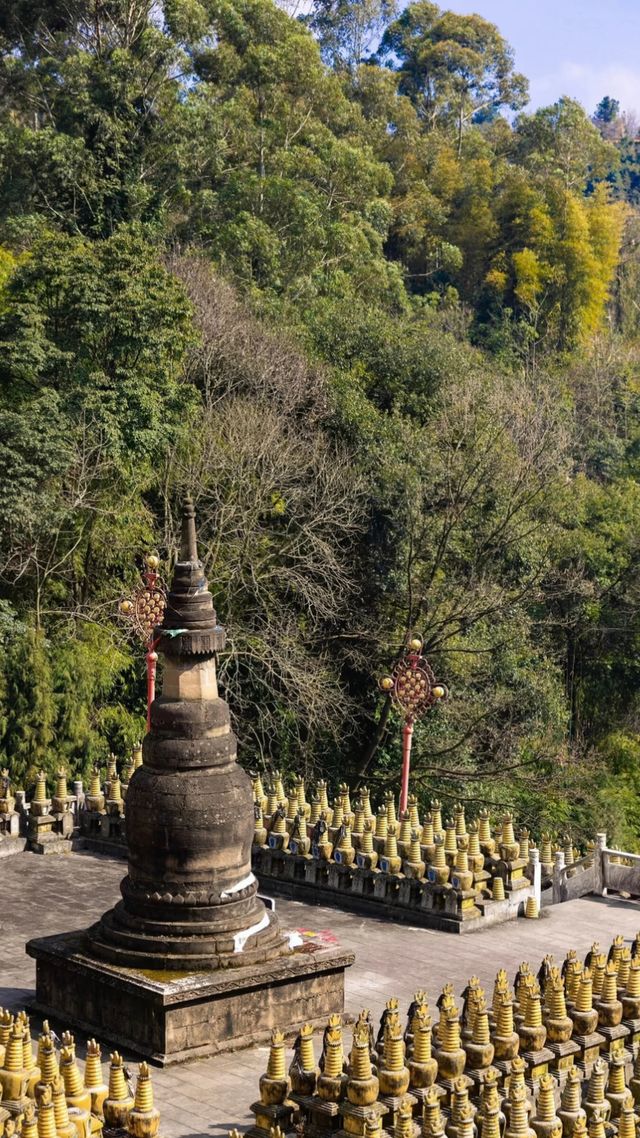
(189, 900)
(190, 960)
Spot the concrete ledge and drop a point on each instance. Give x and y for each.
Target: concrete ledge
(496, 912)
(10, 845)
(171, 1017)
(115, 850)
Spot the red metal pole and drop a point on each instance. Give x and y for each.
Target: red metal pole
(152, 659)
(407, 732)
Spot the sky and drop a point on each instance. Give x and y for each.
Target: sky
(581, 48)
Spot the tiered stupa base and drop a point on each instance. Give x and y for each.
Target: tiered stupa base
(171, 1016)
(206, 938)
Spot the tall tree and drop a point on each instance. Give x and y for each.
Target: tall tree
(452, 67)
(606, 118)
(561, 141)
(91, 111)
(348, 30)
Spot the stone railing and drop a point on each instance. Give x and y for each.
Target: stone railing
(417, 900)
(601, 871)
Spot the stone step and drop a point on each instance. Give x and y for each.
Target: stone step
(10, 845)
(50, 844)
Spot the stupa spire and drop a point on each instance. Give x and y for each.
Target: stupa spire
(189, 544)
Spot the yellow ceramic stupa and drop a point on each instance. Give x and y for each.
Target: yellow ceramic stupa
(144, 1117)
(119, 1100)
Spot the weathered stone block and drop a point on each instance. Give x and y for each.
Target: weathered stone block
(175, 1016)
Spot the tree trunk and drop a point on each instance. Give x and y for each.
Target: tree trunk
(369, 752)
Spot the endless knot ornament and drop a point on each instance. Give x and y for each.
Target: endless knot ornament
(413, 687)
(149, 606)
(413, 684)
(145, 606)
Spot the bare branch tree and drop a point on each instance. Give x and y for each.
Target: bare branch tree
(279, 511)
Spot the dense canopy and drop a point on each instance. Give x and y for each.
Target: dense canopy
(329, 273)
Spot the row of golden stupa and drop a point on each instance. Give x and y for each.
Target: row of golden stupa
(551, 1057)
(99, 797)
(47, 1095)
(290, 812)
(46, 819)
(287, 820)
(284, 819)
(456, 868)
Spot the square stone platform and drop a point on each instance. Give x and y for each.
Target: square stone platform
(173, 1016)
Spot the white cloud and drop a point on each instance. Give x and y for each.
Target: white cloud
(589, 85)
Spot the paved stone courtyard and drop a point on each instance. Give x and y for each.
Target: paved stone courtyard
(208, 1097)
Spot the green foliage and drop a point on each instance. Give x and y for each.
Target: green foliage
(93, 337)
(561, 141)
(60, 702)
(100, 331)
(30, 716)
(346, 30)
(412, 403)
(452, 67)
(607, 111)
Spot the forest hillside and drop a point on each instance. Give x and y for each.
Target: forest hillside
(328, 273)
